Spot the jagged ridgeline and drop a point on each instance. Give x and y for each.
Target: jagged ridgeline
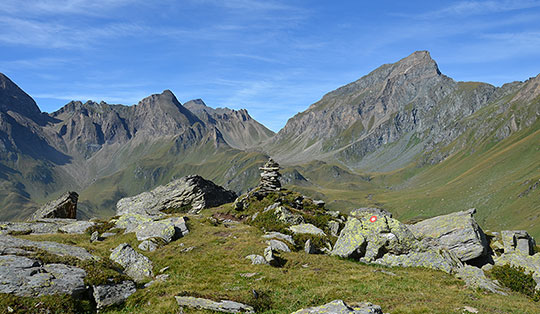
(404, 137)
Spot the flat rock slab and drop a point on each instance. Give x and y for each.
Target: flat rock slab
(223, 306)
(78, 227)
(136, 265)
(42, 226)
(441, 260)
(475, 278)
(307, 229)
(457, 232)
(279, 236)
(8, 242)
(23, 276)
(113, 294)
(339, 307)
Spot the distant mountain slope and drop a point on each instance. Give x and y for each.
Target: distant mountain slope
(386, 119)
(88, 146)
(237, 127)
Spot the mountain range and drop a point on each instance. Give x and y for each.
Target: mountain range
(404, 137)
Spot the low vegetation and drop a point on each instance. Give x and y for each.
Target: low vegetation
(516, 279)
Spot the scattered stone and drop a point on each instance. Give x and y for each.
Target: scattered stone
(469, 309)
(164, 269)
(518, 240)
(319, 203)
(113, 294)
(338, 306)
(23, 276)
(107, 234)
(457, 232)
(148, 245)
(286, 216)
(384, 272)
(257, 259)
(272, 258)
(271, 207)
(223, 306)
(187, 194)
(63, 207)
(78, 227)
(248, 275)
(474, 277)
(94, 237)
(278, 245)
(310, 249)
(306, 229)
(270, 177)
(8, 242)
(279, 236)
(187, 249)
(136, 265)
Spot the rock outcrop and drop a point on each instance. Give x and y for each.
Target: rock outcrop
(187, 194)
(458, 232)
(338, 306)
(63, 207)
(136, 265)
(112, 294)
(23, 246)
(518, 241)
(222, 306)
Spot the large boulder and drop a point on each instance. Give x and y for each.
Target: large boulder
(9, 243)
(458, 232)
(340, 307)
(189, 194)
(136, 265)
(23, 276)
(222, 306)
(63, 207)
(434, 259)
(518, 241)
(113, 294)
(370, 233)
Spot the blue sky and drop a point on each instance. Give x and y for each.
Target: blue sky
(272, 57)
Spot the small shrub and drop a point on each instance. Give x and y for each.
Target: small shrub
(316, 241)
(516, 279)
(269, 222)
(19, 232)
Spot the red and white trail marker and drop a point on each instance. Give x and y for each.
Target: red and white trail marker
(373, 218)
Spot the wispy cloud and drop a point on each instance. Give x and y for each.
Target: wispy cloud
(465, 9)
(60, 7)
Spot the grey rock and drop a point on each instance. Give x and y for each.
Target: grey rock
(272, 258)
(279, 236)
(94, 236)
(340, 307)
(278, 245)
(333, 226)
(107, 234)
(440, 260)
(309, 249)
(9, 242)
(41, 226)
(371, 211)
(319, 203)
(190, 194)
(306, 229)
(475, 278)
(518, 240)
(286, 216)
(222, 306)
(78, 227)
(148, 245)
(457, 232)
(271, 207)
(63, 207)
(113, 294)
(156, 229)
(26, 277)
(131, 221)
(136, 265)
(257, 259)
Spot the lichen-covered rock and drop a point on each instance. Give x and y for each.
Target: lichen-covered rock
(369, 234)
(475, 278)
(78, 227)
(131, 221)
(136, 265)
(9, 242)
(441, 260)
(63, 207)
(148, 245)
(286, 216)
(279, 236)
(278, 245)
(222, 306)
(340, 307)
(306, 229)
(41, 226)
(113, 294)
(333, 226)
(457, 232)
(257, 259)
(518, 241)
(163, 229)
(190, 194)
(23, 276)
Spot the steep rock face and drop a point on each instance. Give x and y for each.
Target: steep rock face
(239, 129)
(385, 119)
(14, 99)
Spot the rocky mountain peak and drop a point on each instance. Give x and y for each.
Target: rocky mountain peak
(420, 60)
(14, 99)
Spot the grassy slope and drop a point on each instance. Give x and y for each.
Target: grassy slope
(213, 269)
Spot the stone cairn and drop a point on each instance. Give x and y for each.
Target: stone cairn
(270, 177)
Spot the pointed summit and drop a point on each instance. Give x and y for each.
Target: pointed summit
(14, 99)
(420, 59)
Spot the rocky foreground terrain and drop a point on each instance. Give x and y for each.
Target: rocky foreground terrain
(192, 246)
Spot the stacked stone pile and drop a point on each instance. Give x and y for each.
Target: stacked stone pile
(270, 177)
